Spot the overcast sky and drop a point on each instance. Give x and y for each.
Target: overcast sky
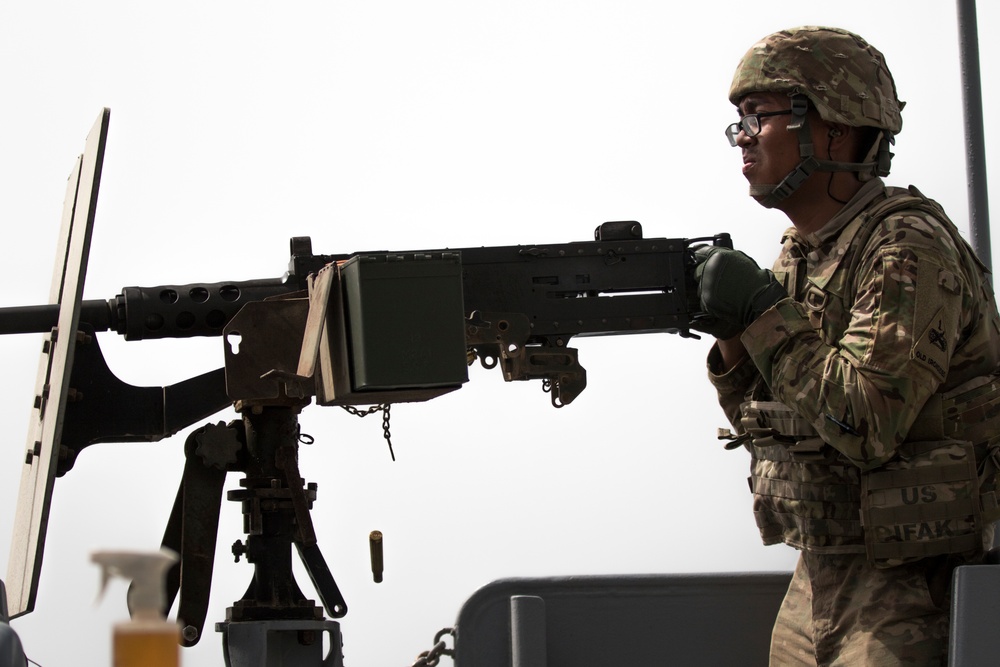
(409, 125)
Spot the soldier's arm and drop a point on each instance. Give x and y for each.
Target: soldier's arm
(731, 352)
(731, 373)
(864, 392)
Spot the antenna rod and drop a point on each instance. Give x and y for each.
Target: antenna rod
(975, 150)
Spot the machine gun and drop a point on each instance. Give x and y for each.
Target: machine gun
(517, 305)
(367, 328)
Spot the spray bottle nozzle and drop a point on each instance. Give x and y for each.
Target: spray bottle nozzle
(145, 570)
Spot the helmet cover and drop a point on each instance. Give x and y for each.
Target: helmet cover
(844, 77)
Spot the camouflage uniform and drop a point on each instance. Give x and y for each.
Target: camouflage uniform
(871, 333)
(870, 402)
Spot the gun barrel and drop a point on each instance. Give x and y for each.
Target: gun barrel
(185, 311)
(41, 319)
(167, 311)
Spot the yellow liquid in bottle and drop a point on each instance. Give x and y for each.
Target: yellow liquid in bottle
(147, 644)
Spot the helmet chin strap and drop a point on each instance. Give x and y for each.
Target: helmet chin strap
(770, 196)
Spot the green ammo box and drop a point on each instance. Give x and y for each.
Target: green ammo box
(405, 320)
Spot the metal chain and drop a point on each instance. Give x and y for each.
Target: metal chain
(362, 413)
(433, 657)
(384, 408)
(385, 429)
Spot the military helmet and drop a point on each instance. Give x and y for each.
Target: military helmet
(844, 77)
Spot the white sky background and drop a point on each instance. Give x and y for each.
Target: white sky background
(409, 125)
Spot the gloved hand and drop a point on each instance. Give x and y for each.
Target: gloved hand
(732, 289)
(713, 326)
(703, 321)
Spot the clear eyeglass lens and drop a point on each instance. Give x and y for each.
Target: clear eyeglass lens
(731, 133)
(750, 124)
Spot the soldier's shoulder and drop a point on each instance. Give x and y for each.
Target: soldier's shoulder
(908, 219)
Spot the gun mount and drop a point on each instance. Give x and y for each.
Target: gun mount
(368, 328)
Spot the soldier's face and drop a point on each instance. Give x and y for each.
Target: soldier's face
(771, 154)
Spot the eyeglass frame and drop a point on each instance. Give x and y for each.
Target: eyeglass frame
(734, 129)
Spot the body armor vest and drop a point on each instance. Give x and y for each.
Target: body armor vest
(934, 497)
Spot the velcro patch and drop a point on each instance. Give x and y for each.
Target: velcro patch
(949, 282)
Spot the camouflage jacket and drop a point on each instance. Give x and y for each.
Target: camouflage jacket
(872, 329)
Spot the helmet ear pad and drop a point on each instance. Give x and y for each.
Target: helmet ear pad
(866, 145)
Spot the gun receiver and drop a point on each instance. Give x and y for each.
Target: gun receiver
(525, 303)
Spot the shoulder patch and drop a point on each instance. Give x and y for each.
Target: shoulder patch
(931, 348)
(937, 317)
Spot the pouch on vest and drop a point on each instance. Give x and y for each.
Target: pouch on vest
(925, 502)
(774, 423)
(970, 412)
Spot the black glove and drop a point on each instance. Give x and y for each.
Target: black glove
(732, 288)
(703, 321)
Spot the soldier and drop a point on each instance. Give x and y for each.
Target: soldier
(862, 373)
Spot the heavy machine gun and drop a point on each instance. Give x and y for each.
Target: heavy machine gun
(366, 328)
(514, 305)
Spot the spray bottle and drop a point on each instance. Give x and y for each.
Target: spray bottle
(148, 640)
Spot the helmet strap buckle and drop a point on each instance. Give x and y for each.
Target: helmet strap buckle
(800, 105)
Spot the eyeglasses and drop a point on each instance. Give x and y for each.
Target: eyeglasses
(750, 124)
